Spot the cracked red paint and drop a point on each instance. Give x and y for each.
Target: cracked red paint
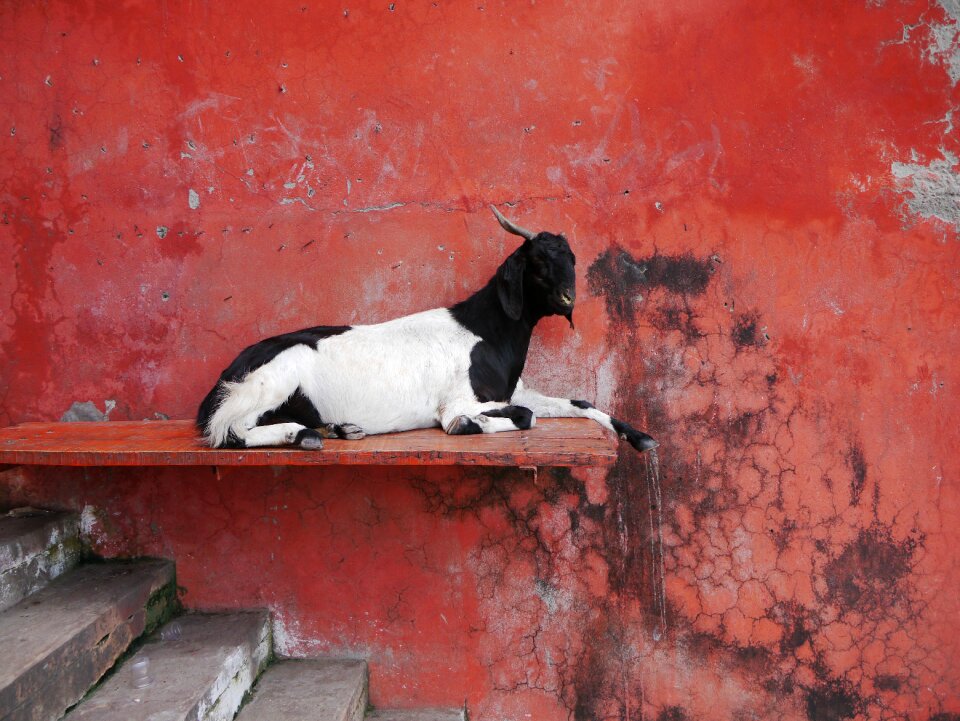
(769, 283)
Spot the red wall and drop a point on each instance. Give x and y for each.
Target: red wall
(763, 200)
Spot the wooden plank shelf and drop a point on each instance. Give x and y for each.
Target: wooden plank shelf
(552, 442)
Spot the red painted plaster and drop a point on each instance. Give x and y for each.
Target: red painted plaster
(759, 196)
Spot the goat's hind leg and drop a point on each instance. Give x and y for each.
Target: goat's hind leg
(283, 434)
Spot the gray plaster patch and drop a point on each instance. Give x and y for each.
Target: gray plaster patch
(934, 189)
(193, 199)
(162, 231)
(87, 411)
(944, 44)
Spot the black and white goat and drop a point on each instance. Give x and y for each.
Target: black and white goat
(457, 367)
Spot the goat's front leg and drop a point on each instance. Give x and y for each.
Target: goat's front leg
(549, 407)
(464, 417)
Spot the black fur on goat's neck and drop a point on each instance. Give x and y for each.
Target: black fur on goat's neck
(497, 361)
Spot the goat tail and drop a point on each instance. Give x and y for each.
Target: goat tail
(222, 414)
(210, 419)
(234, 407)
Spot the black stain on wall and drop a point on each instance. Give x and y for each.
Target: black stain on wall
(673, 713)
(745, 331)
(620, 277)
(794, 623)
(832, 701)
(867, 574)
(591, 687)
(858, 465)
(887, 682)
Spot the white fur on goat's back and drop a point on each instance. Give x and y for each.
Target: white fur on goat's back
(388, 377)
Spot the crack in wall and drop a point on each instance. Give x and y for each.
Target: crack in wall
(722, 551)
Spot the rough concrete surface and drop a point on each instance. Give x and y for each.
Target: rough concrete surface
(309, 690)
(429, 714)
(202, 676)
(35, 549)
(56, 644)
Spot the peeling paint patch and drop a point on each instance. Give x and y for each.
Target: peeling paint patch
(87, 411)
(934, 188)
(375, 208)
(944, 44)
(89, 523)
(193, 199)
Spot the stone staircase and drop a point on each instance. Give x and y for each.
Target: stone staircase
(105, 642)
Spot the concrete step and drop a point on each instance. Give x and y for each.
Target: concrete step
(200, 676)
(425, 714)
(309, 690)
(35, 547)
(56, 644)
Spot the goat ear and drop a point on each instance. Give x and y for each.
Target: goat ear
(510, 284)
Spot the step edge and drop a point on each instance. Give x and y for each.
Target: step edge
(252, 642)
(353, 709)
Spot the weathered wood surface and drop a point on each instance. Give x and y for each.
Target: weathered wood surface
(553, 442)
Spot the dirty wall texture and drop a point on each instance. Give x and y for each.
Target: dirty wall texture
(763, 199)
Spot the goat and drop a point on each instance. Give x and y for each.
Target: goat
(456, 367)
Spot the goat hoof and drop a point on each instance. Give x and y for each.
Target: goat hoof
(464, 425)
(309, 440)
(642, 442)
(350, 432)
(639, 440)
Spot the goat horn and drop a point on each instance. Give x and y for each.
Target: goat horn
(511, 227)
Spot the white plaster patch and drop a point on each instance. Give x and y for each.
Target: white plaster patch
(193, 199)
(944, 44)
(290, 642)
(89, 523)
(934, 188)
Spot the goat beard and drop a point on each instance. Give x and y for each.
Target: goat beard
(569, 317)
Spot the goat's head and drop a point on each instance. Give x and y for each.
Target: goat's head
(539, 275)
